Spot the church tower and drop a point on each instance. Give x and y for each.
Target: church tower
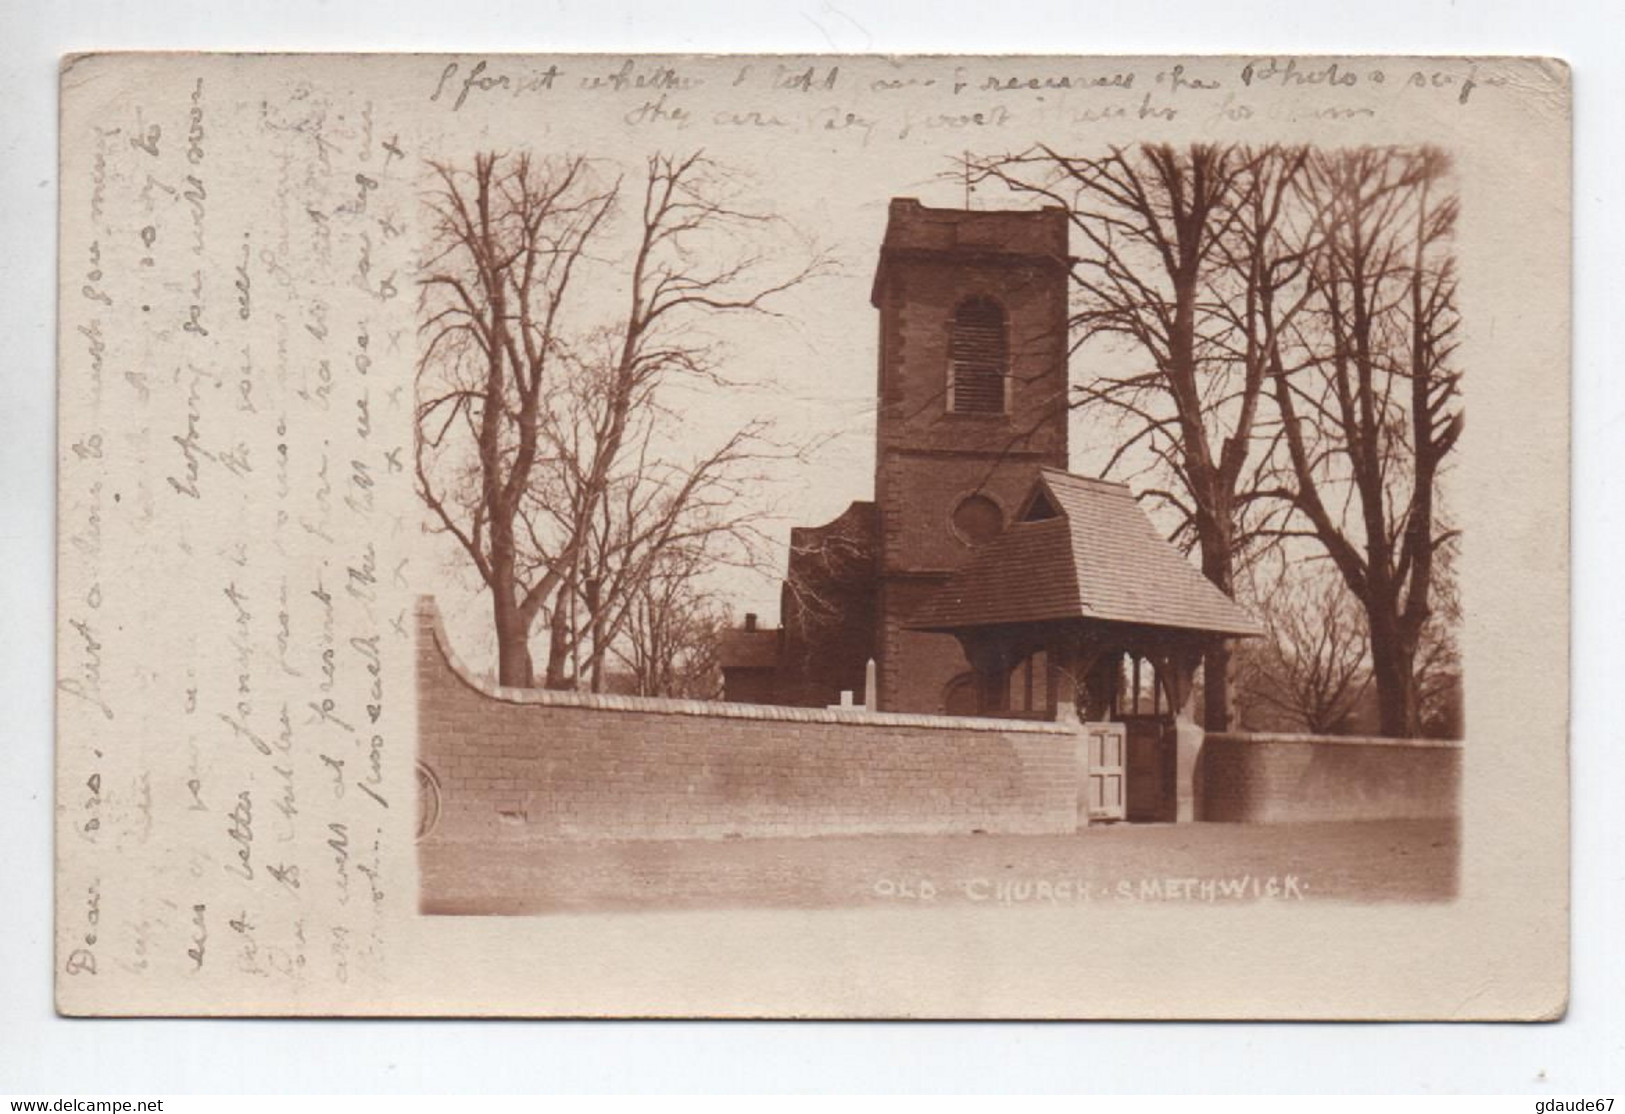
(972, 396)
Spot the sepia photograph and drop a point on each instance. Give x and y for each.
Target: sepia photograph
(1149, 597)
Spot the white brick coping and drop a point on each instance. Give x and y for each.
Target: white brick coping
(552, 698)
(1332, 740)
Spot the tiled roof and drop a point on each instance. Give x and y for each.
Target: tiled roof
(749, 649)
(1099, 558)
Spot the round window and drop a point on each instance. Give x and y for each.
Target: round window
(977, 519)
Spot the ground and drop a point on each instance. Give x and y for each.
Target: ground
(1394, 860)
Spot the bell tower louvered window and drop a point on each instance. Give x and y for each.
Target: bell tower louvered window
(978, 358)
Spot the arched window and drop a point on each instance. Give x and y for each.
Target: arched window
(978, 358)
(1027, 687)
(959, 696)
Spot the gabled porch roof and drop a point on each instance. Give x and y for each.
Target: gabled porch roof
(1082, 549)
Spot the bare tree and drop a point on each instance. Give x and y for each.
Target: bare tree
(1187, 257)
(671, 639)
(539, 447)
(1312, 669)
(1372, 409)
(1438, 657)
(651, 512)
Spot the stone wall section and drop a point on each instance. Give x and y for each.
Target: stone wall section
(1262, 778)
(565, 765)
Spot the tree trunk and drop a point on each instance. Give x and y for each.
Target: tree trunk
(513, 641)
(1216, 687)
(558, 642)
(1393, 667)
(1218, 566)
(595, 623)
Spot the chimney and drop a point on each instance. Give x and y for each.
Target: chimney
(750, 622)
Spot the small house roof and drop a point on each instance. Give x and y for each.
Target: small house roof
(1081, 549)
(749, 649)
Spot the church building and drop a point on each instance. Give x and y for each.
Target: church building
(984, 578)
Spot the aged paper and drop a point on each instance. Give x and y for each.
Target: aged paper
(303, 769)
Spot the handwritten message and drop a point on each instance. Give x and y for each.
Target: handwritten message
(236, 388)
(941, 96)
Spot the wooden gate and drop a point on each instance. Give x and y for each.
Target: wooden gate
(1104, 794)
(1150, 769)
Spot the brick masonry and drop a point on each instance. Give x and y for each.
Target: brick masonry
(551, 765)
(562, 765)
(1279, 778)
(929, 458)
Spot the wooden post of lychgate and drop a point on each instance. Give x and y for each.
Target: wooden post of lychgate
(1176, 672)
(1064, 686)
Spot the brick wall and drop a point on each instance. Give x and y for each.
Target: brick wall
(1275, 778)
(523, 763)
(916, 667)
(827, 606)
(925, 490)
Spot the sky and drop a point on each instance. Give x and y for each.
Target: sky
(822, 145)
